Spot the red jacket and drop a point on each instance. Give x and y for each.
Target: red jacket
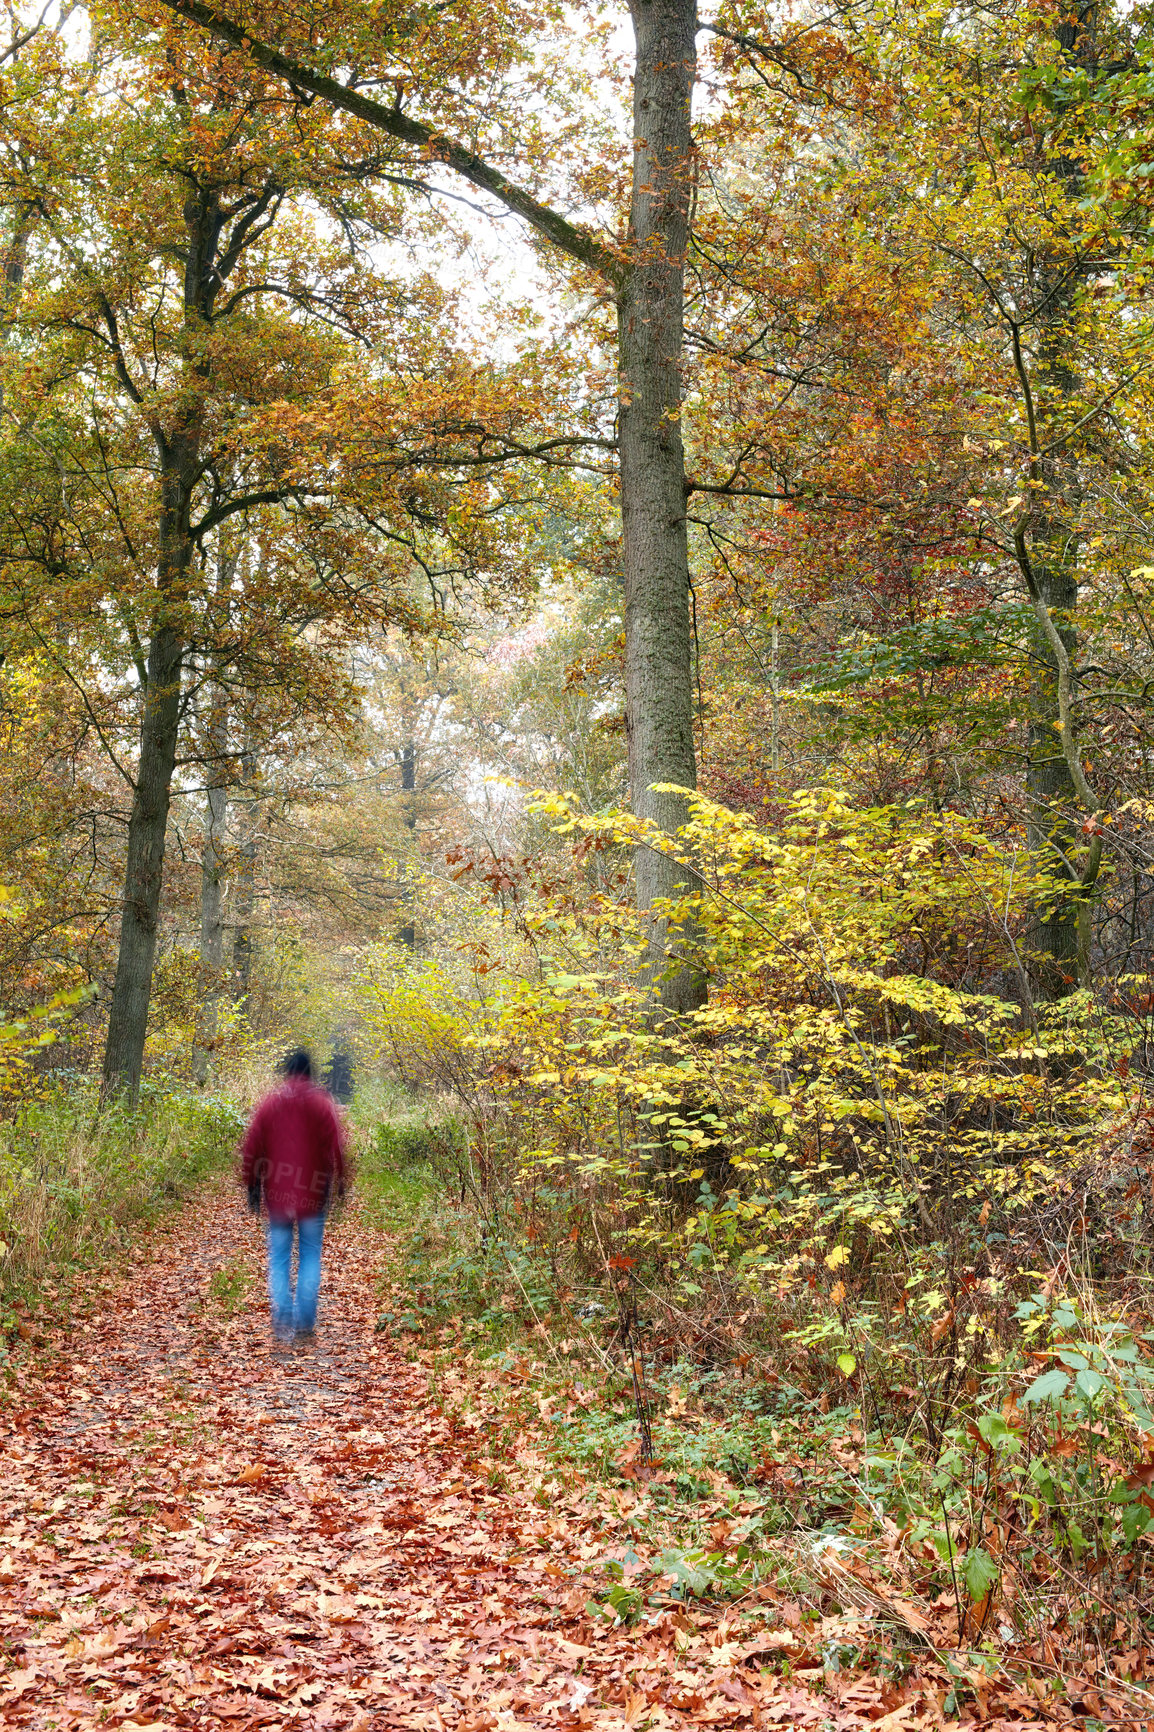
(295, 1149)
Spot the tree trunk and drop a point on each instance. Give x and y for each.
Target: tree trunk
(1051, 799)
(408, 933)
(658, 682)
(1058, 941)
(244, 905)
(242, 936)
(144, 871)
(211, 918)
(210, 253)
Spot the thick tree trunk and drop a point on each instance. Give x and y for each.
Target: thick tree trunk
(178, 445)
(658, 683)
(144, 871)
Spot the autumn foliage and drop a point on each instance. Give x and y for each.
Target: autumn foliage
(603, 566)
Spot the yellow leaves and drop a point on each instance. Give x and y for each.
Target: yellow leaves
(802, 1104)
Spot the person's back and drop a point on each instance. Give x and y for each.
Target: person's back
(293, 1156)
(296, 1136)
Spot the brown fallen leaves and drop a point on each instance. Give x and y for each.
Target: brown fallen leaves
(221, 1536)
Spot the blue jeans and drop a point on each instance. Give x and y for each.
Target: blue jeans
(289, 1314)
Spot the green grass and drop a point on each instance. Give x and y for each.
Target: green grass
(396, 1149)
(392, 1199)
(229, 1288)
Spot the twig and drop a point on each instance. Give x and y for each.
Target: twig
(953, 1572)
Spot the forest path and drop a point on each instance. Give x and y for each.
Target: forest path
(197, 1529)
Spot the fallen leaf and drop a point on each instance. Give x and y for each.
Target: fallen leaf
(105, 1642)
(896, 1718)
(19, 1681)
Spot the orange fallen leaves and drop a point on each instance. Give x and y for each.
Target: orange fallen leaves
(356, 1569)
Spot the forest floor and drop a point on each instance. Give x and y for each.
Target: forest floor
(198, 1529)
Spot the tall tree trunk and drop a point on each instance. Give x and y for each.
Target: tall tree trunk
(244, 907)
(408, 933)
(152, 794)
(1058, 941)
(144, 870)
(1051, 799)
(211, 916)
(244, 900)
(176, 425)
(658, 682)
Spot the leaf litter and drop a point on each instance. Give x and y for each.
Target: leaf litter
(200, 1530)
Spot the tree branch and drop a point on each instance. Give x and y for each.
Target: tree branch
(1062, 662)
(568, 236)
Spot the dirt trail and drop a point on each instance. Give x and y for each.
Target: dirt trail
(197, 1530)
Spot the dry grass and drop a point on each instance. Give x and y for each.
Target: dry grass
(73, 1180)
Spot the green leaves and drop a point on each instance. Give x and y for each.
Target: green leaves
(1053, 1385)
(1050, 1386)
(979, 1572)
(985, 637)
(1089, 1383)
(992, 1428)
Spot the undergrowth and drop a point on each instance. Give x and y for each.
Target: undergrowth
(981, 1478)
(846, 1272)
(74, 1181)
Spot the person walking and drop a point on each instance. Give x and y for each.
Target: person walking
(294, 1155)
